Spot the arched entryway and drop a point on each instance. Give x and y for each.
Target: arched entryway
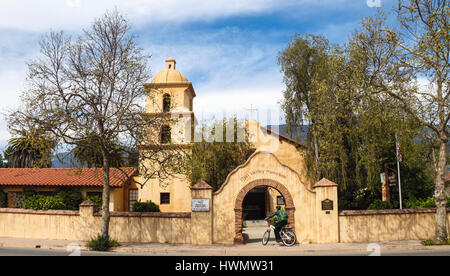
(289, 204)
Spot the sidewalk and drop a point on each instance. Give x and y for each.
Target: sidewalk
(252, 249)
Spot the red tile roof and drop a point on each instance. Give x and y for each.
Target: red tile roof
(447, 177)
(73, 177)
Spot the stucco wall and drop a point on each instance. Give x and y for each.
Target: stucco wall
(290, 154)
(178, 187)
(388, 225)
(83, 225)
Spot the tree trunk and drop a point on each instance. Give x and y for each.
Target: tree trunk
(105, 197)
(439, 193)
(316, 155)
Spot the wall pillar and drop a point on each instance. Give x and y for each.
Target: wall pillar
(201, 216)
(87, 208)
(327, 219)
(88, 228)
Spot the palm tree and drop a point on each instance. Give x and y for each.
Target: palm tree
(30, 151)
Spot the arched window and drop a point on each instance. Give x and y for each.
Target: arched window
(165, 134)
(166, 103)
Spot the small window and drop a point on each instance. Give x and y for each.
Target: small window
(132, 198)
(166, 103)
(165, 135)
(165, 198)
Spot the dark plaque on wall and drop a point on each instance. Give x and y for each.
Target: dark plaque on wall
(327, 204)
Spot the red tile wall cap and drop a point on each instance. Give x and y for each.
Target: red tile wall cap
(202, 185)
(87, 203)
(325, 183)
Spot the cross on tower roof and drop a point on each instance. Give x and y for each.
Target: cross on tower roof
(251, 109)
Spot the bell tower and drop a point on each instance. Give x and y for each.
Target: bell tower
(170, 94)
(168, 107)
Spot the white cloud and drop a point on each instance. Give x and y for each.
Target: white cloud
(261, 91)
(44, 14)
(72, 14)
(74, 3)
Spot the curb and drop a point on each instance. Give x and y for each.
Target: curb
(159, 249)
(40, 246)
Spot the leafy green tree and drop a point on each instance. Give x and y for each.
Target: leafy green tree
(3, 161)
(88, 153)
(213, 161)
(31, 150)
(351, 131)
(399, 56)
(304, 62)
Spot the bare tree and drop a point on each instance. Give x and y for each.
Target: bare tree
(89, 92)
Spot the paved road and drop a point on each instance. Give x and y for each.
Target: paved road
(12, 251)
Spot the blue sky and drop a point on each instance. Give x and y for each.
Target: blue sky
(226, 48)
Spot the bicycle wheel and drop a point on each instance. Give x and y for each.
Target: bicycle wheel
(266, 237)
(289, 238)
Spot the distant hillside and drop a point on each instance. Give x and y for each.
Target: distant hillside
(66, 160)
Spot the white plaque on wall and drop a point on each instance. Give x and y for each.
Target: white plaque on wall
(200, 204)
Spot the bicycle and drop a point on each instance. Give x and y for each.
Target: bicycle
(287, 235)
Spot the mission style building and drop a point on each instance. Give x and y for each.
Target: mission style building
(169, 94)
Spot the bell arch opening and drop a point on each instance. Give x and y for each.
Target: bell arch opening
(238, 209)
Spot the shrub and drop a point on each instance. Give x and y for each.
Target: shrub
(423, 203)
(380, 205)
(101, 243)
(62, 200)
(71, 199)
(420, 203)
(432, 242)
(427, 242)
(147, 206)
(97, 200)
(41, 202)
